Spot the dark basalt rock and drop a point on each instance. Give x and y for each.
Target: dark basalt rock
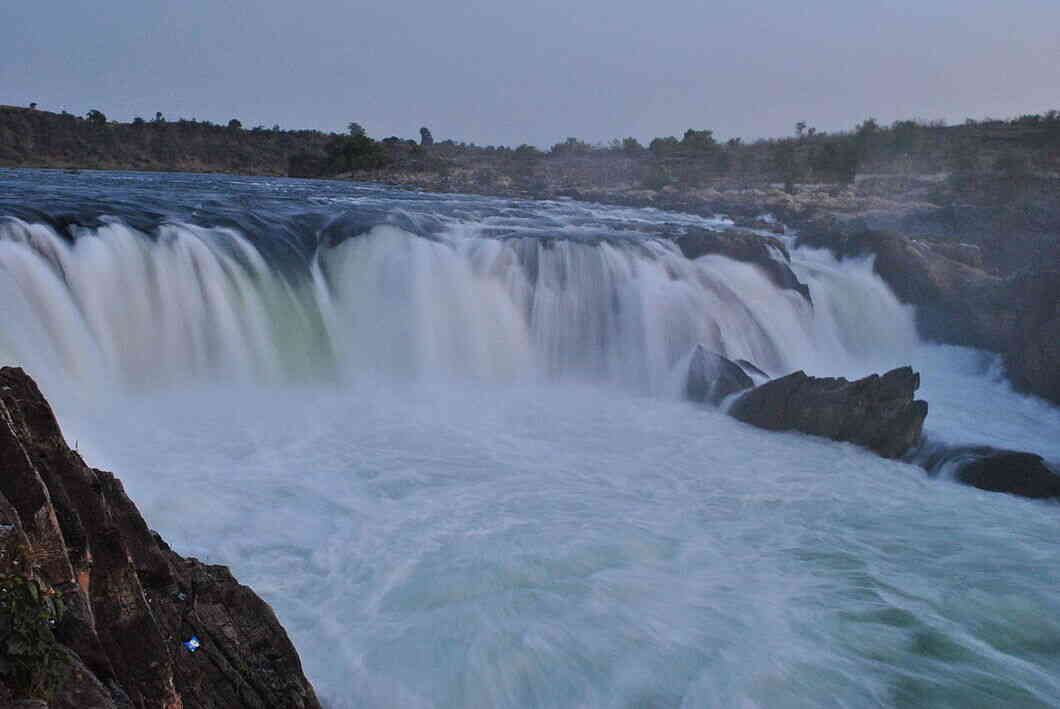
(712, 377)
(129, 599)
(1015, 472)
(1024, 474)
(877, 412)
(742, 246)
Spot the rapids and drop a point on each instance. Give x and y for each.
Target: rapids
(443, 436)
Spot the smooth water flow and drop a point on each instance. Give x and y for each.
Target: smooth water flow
(444, 437)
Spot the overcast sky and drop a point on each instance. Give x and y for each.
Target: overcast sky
(512, 71)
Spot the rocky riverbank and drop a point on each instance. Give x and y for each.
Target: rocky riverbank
(97, 612)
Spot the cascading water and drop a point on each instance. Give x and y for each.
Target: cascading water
(443, 436)
(133, 310)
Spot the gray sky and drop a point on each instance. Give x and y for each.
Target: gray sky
(508, 72)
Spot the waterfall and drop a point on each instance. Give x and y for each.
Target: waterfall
(441, 435)
(118, 307)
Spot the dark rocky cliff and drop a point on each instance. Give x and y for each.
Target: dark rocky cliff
(95, 607)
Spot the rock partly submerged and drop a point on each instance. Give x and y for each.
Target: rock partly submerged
(712, 377)
(996, 470)
(123, 603)
(882, 414)
(877, 412)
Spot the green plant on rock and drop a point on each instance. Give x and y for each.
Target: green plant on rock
(31, 662)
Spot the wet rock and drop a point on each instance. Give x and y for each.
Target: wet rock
(1032, 354)
(712, 377)
(1024, 474)
(760, 224)
(968, 254)
(749, 248)
(752, 370)
(877, 412)
(1015, 472)
(129, 600)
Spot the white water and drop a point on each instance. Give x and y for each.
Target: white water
(119, 309)
(463, 485)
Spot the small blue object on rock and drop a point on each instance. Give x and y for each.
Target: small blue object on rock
(192, 644)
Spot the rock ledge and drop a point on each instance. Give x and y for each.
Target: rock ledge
(121, 602)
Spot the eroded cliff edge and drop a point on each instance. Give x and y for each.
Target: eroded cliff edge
(95, 608)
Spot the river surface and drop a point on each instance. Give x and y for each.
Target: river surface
(444, 437)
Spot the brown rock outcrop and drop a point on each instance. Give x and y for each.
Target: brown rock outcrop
(129, 601)
(877, 412)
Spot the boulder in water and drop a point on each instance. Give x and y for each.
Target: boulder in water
(712, 377)
(1018, 473)
(877, 412)
(119, 601)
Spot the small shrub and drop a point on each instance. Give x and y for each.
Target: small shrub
(31, 662)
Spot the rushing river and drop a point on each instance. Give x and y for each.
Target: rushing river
(443, 436)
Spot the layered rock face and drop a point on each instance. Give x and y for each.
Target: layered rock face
(877, 412)
(129, 603)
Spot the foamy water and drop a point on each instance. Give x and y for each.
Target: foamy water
(451, 453)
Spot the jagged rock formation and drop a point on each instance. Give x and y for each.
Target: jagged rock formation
(712, 377)
(877, 412)
(743, 246)
(128, 600)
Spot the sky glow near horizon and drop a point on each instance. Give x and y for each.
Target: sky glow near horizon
(503, 72)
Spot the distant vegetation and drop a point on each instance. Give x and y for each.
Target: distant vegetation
(972, 155)
(30, 137)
